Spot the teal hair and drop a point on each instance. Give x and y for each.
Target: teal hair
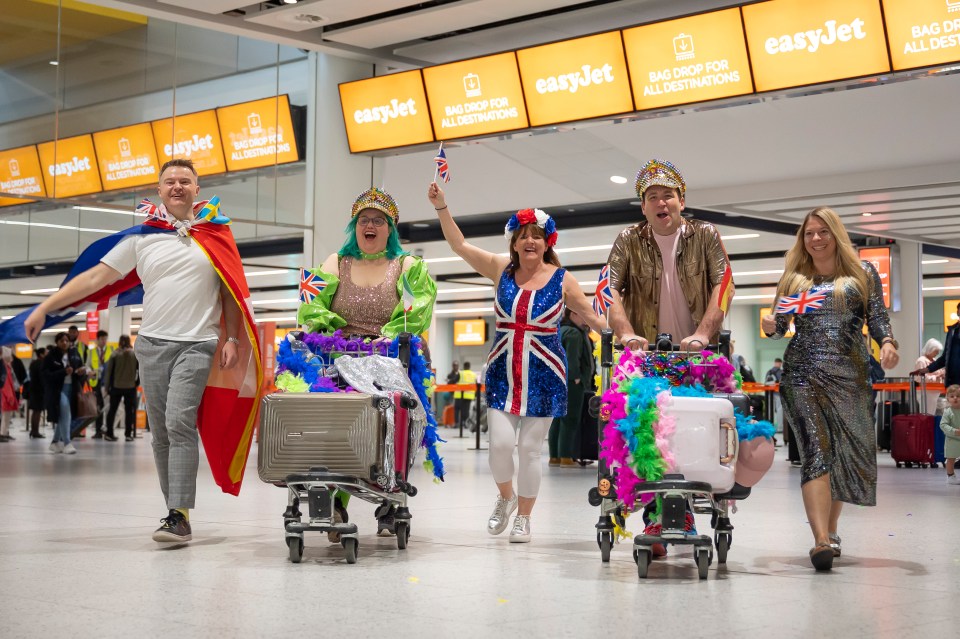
(350, 247)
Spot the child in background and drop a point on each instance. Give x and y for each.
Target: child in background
(950, 425)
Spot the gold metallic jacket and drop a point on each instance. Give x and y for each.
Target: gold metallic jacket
(636, 267)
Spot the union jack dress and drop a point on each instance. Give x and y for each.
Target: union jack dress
(527, 367)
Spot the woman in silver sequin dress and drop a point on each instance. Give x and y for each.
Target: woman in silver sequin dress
(825, 388)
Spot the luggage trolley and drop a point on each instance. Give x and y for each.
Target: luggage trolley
(360, 443)
(674, 489)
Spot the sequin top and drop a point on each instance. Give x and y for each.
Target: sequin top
(527, 367)
(826, 391)
(366, 309)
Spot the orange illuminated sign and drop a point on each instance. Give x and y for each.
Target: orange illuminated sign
(692, 59)
(194, 136)
(880, 258)
(127, 157)
(385, 112)
(69, 166)
(800, 42)
(575, 79)
(922, 33)
(258, 133)
(950, 313)
(469, 332)
(20, 174)
(475, 97)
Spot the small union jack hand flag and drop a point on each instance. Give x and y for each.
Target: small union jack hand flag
(443, 169)
(310, 286)
(800, 303)
(603, 297)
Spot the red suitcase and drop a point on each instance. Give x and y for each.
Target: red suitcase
(912, 437)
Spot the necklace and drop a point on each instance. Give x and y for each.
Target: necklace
(373, 256)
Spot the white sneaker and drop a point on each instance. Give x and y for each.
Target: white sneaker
(520, 533)
(69, 449)
(55, 447)
(501, 514)
(953, 480)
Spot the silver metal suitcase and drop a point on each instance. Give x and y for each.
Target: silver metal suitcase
(343, 432)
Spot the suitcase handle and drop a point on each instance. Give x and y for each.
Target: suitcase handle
(731, 442)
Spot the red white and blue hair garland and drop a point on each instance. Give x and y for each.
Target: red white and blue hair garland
(532, 216)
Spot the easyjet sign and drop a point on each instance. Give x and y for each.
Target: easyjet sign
(70, 166)
(801, 42)
(387, 111)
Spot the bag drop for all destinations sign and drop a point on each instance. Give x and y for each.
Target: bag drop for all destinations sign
(693, 59)
(575, 79)
(257, 134)
(922, 33)
(386, 112)
(480, 96)
(20, 174)
(127, 157)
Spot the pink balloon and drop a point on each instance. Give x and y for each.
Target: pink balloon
(754, 460)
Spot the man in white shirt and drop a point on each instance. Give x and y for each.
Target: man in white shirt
(183, 301)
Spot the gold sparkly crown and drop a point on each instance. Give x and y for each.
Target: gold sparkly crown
(660, 173)
(376, 199)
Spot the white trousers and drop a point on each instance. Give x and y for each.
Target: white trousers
(504, 428)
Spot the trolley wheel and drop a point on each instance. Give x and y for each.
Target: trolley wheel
(723, 545)
(412, 491)
(643, 562)
(295, 545)
(899, 465)
(934, 465)
(403, 534)
(350, 546)
(703, 562)
(605, 539)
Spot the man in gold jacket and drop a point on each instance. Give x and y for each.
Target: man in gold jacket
(685, 295)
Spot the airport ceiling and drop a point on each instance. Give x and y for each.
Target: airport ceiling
(883, 152)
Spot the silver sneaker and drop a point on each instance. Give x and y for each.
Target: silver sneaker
(835, 544)
(501, 514)
(520, 533)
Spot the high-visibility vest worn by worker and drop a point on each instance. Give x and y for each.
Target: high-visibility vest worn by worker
(98, 364)
(467, 377)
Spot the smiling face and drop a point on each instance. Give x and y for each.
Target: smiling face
(529, 245)
(373, 230)
(661, 206)
(819, 240)
(178, 190)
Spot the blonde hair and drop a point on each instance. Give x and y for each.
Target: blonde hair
(953, 389)
(799, 271)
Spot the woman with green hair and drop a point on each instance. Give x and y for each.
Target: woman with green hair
(362, 291)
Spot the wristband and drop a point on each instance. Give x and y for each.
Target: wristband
(441, 208)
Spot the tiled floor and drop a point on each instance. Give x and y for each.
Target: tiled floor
(76, 560)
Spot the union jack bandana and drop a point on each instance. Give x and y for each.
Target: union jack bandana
(603, 297)
(310, 286)
(800, 303)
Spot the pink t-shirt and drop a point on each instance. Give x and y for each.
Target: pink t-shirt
(674, 314)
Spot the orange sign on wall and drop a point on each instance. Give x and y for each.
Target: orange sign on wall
(70, 166)
(469, 332)
(950, 313)
(20, 174)
(800, 42)
(694, 59)
(880, 258)
(127, 157)
(791, 330)
(575, 79)
(475, 97)
(386, 112)
(922, 33)
(194, 136)
(258, 133)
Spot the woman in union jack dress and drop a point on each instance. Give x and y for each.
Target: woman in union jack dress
(824, 386)
(526, 374)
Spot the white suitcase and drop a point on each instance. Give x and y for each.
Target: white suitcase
(704, 441)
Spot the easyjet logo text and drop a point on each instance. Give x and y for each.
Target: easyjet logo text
(811, 40)
(586, 76)
(76, 165)
(188, 147)
(383, 114)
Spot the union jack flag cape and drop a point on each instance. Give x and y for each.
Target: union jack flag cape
(229, 407)
(800, 303)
